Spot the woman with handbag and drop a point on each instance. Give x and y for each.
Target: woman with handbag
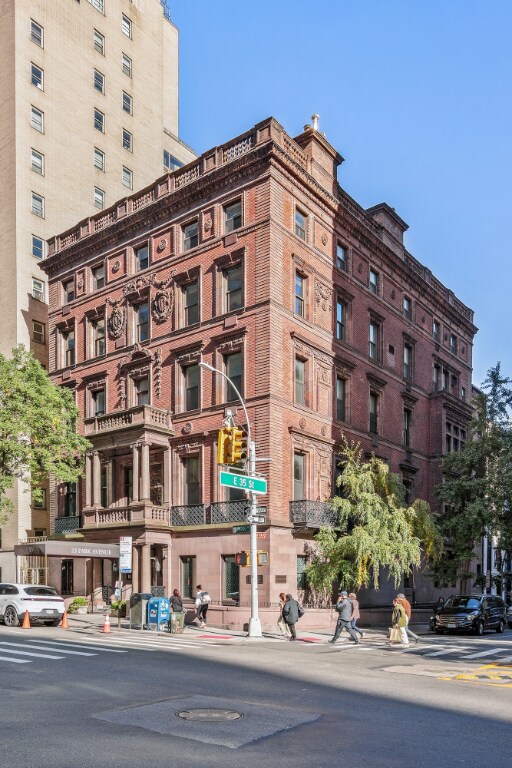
(398, 632)
(281, 623)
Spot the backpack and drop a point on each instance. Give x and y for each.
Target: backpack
(205, 598)
(300, 610)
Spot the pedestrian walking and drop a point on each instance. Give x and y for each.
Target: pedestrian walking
(355, 613)
(202, 602)
(176, 602)
(344, 609)
(281, 623)
(399, 620)
(291, 615)
(408, 612)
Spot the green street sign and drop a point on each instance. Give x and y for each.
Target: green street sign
(245, 482)
(241, 528)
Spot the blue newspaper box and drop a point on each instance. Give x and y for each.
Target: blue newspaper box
(158, 613)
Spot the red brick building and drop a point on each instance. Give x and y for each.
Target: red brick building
(251, 258)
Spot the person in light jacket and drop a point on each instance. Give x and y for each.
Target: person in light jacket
(355, 613)
(281, 623)
(291, 615)
(399, 619)
(408, 612)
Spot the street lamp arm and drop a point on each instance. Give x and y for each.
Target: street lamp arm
(225, 376)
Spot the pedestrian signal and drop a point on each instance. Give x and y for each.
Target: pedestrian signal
(262, 557)
(224, 442)
(242, 559)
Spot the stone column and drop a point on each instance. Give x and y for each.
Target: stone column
(166, 495)
(146, 568)
(110, 482)
(136, 585)
(166, 570)
(88, 478)
(144, 480)
(135, 473)
(96, 479)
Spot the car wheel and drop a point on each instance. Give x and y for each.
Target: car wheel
(439, 631)
(480, 629)
(11, 618)
(55, 623)
(500, 627)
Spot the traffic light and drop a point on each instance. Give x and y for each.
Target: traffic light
(243, 559)
(238, 450)
(224, 442)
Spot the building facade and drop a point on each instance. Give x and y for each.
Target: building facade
(252, 258)
(89, 95)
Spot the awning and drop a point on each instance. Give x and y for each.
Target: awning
(67, 549)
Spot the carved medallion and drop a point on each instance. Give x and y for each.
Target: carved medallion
(161, 306)
(116, 323)
(116, 266)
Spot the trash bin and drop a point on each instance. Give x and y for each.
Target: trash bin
(177, 623)
(139, 608)
(158, 613)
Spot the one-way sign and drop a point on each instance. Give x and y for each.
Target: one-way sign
(259, 519)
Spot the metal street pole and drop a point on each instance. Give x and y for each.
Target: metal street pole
(254, 621)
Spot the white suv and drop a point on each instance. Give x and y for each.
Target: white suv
(42, 603)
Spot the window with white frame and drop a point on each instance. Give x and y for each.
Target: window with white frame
(142, 322)
(300, 224)
(341, 257)
(141, 258)
(36, 33)
(453, 344)
(127, 103)
(127, 139)
(37, 76)
(233, 368)
(191, 480)
(127, 177)
(300, 381)
(407, 308)
(98, 4)
(99, 159)
(374, 340)
(98, 277)
(171, 163)
(98, 40)
(232, 216)
(300, 294)
(98, 402)
(436, 330)
(37, 289)
(190, 374)
(37, 119)
(341, 398)
(98, 336)
(190, 235)
(37, 161)
(340, 319)
(141, 387)
(68, 291)
(373, 281)
(99, 81)
(455, 437)
(99, 197)
(408, 359)
(99, 120)
(68, 348)
(38, 332)
(126, 65)
(299, 486)
(38, 205)
(126, 26)
(233, 284)
(37, 247)
(39, 500)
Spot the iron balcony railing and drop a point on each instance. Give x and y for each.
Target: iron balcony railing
(232, 511)
(194, 514)
(67, 524)
(313, 514)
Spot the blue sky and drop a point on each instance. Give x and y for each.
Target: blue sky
(416, 97)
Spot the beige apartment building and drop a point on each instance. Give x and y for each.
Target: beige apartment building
(88, 113)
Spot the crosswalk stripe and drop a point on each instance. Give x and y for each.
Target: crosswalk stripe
(43, 648)
(141, 643)
(97, 647)
(505, 659)
(15, 661)
(489, 652)
(29, 653)
(448, 650)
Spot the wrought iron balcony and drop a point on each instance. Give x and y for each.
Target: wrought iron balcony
(67, 524)
(313, 514)
(232, 511)
(194, 514)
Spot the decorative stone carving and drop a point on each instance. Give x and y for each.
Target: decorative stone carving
(302, 423)
(116, 266)
(116, 323)
(323, 294)
(231, 344)
(393, 294)
(208, 222)
(187, 428)
(325, 239)
(162, 245)
(324, 430)
(161, 306)
(157, 368)
(137, 284)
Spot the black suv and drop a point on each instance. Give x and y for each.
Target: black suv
(471, 613)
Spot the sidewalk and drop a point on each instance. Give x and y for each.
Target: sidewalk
(93, 622)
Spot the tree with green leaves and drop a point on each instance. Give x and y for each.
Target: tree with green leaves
(477, 483)
(377, 530)
(37, 428)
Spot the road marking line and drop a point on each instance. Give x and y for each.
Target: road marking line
(15, 661)
(481, 654)
(150, 645)
(43, 648)
(505, 660)
(449, 650)
(78, 645)
(28, 653)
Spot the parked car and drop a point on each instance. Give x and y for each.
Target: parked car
(474, 613)
(42, 603)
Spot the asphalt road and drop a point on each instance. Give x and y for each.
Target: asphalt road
(446, 702)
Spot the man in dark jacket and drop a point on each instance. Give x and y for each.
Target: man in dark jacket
(291, 615)
(344, 608)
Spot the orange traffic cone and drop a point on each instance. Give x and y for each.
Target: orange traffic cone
(106, 623)
(64, 623)
(26, 621)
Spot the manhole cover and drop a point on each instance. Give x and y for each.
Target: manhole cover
(209, 715)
